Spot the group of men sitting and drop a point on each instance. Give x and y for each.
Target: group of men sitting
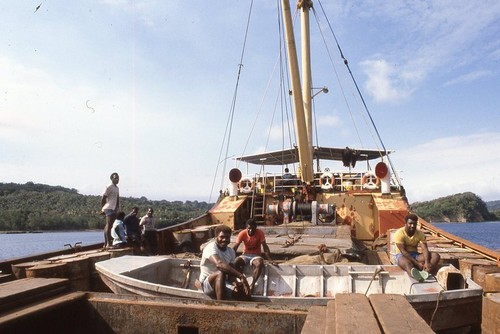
(221, 271)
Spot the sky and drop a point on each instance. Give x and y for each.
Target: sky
(144, 88)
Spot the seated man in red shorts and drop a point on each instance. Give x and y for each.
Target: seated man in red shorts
(252, 239)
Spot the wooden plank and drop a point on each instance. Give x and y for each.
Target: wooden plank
(396, 315)
(492, 283)
(41, 308)
(316, 321)
(331, 318)
(27, 290)
(354, 314)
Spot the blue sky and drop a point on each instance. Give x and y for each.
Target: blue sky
(144, 88)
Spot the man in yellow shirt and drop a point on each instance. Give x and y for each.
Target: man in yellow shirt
(407, 239)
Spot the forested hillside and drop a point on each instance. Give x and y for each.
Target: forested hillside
(32, 207)
(464, 207)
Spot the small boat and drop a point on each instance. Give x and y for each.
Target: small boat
(300, 285)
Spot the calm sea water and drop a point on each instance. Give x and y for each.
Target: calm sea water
(18, 245)
(24, 244)
(485, 234)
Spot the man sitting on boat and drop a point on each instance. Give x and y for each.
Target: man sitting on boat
(217, 271)
(407, 239)
(252, 239)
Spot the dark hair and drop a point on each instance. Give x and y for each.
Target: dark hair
(251, 222)
(222, 228)
(112, 174)
(120, 215)
(411, 216)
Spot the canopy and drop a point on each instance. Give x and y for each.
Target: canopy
(291, 155)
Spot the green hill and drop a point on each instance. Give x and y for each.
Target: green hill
(464, 207)
(34, 207)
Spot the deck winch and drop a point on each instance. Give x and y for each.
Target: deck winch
(291, 209)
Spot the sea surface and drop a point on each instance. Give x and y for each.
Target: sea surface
(486, 234)
(24, 244)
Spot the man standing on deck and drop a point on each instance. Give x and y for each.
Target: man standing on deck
(252, 239)
(110, 202)
(407, 239)
(217, 270)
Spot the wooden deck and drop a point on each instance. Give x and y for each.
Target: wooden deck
(356, 313)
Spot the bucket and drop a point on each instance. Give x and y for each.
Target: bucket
(50, 270)
(78, 273)
(19, 269)
(392, 246)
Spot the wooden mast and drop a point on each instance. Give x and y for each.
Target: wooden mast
(304, 145)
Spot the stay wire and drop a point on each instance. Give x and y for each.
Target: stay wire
(360, 94)
(228, 130)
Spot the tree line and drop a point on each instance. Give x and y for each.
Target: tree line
(40, 207)
(463, 208)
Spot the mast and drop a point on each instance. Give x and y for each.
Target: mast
(305, 6)
(304, 145)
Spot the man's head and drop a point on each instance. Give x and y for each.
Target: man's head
(222, 236)
(120, 215)
(150, 212)
(411, 224)
(251, 226)
(114, 178)
(135, 211)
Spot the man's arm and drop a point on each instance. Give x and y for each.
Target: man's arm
(226, 268)
(103, 200)
(236, 245)
(267, 251)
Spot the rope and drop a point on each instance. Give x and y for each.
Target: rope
(435, 309)
(377, 271)
(227, 133)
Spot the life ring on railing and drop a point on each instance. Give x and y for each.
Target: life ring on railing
(246, 185)
(370, 181)
(326, 180)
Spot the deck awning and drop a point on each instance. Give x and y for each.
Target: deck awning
(290, 156)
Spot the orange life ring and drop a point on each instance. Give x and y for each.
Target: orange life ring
(326, 180)
(246, 185)
(370, 181)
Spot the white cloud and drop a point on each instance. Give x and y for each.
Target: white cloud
(450, 165)
(384, 82)
(469, 77)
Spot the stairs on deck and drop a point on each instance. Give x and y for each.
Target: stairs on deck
(258, 213)
(357, 313)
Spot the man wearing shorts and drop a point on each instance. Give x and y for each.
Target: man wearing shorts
(407, 239)
(253, 239)
(110, 202)
(217, 271)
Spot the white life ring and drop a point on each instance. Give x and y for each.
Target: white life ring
(326, 180)
(370, 181)
(246, 185)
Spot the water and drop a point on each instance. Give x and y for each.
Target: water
(24, 244)
(485, 234)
